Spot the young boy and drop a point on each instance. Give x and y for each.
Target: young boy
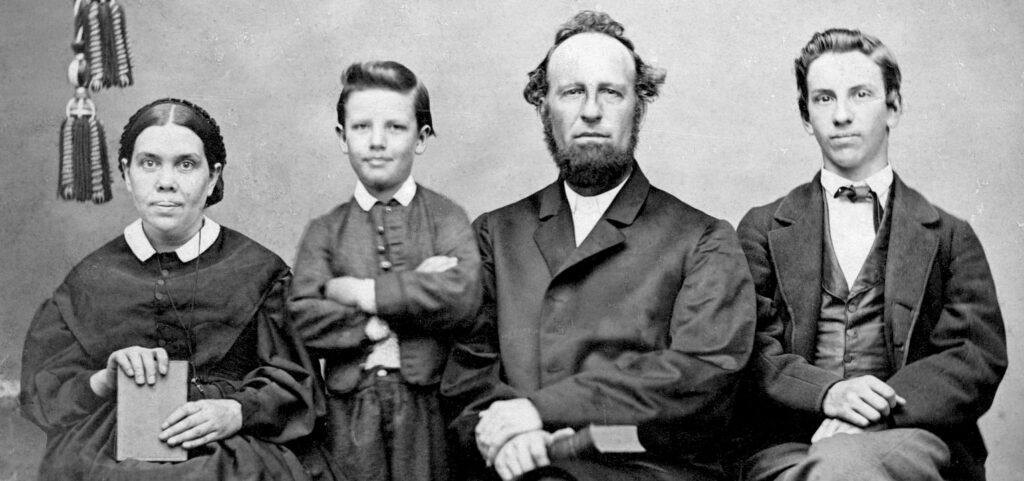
(380, 283)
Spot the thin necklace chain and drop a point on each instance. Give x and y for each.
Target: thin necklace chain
(191, 312)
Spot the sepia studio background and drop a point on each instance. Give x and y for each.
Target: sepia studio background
(725, 134)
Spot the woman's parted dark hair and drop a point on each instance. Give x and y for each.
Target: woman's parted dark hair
(186, 114)
(648, 78)
(841, 40)
(388, 75)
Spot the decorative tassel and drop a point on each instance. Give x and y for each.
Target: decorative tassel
(98, 77)
(65, 185)
(124, 57)
(100, 168)
(106, 40)
(84, 170)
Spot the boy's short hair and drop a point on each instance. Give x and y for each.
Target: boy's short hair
(389, 75)
(841, 40)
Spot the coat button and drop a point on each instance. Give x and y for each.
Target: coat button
(382, 372)
(851, 307)
(159, 282)
(165, 272)
(160, 296)
(385, 265)
(381, 249)
(380, 229)
(161, 342)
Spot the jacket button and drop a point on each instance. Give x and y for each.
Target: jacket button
(161, 342)
(380, 229)
(165, 272)
(851, 307)
(385, 265)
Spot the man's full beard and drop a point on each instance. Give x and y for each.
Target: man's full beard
(590, 165)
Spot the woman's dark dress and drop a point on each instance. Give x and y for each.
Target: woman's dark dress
(244, 351)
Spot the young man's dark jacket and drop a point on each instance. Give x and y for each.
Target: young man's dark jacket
(943, 329)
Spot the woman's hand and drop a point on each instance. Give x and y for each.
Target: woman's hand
(141, 363)
(199, 422)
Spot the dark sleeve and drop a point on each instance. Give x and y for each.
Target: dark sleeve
(323, 324)
(689, 386)
(786, 378)
(278, 398)
(435, 301)
(55, 371)
(955, 383)
(473, 378)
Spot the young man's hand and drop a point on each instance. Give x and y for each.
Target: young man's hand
(861, 401)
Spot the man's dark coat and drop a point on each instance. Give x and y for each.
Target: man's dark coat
(943, 328)
(649, 321)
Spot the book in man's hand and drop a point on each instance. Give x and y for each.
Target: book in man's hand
(596, 440)
(141, 410)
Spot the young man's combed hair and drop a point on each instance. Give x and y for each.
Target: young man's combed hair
(841, 40)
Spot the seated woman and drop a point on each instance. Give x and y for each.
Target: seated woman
(175, 286)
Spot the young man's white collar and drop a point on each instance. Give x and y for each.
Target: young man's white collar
(143, 249)
(586, 211)
(404, 195)
(879, 183)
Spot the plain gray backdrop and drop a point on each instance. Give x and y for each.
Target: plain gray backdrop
(725, 134)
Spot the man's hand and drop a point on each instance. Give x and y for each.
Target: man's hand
(142, 364)
(199, 422)
(524, 452)
(831, 427)
(437, 264)
(861, 401)
(502, 421)
(353, 291)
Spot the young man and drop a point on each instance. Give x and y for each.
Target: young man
(606, 300)
(381, 281)
(880, 341)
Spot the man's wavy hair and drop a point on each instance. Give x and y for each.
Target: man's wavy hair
(841, 40)
(648, 78)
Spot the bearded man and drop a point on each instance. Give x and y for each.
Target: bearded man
(607, 301)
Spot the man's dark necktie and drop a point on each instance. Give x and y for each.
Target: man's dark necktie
(857, 193)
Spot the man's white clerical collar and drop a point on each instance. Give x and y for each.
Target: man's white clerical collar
(604, 199)
(143, 249)
(404, 195)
